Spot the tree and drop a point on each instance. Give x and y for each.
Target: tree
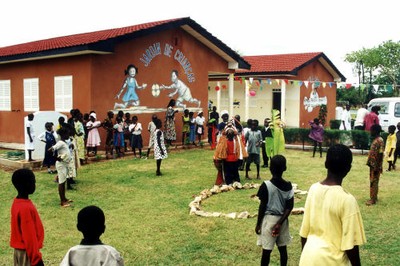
(378, 63)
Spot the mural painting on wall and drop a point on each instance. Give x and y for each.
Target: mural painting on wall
(130, 99)
(314, 100)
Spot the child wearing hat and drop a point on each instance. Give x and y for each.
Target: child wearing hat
(93, 139)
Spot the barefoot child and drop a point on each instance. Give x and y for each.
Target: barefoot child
(254, 141)
(276, 202)
(91, 251)
(27, 233)
(160, 152)
(374, 162)
(135, 128)
(63, 159)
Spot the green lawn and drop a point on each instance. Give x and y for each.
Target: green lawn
(148, 219)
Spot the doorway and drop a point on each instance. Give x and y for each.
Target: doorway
(276, 99)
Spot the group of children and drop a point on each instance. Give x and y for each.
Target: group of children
(27, 231)
(332, 240)
(238, 147)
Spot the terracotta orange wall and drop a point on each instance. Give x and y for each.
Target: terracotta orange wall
(12, 122)
(316, 70)
(98, 78)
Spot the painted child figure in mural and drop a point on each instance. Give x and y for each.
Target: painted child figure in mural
(130, 97)
(183, 91)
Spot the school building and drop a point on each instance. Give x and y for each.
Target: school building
(86, 71)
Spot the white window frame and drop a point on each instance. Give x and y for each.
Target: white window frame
(63, 93)
(31, 94)
(5, 95)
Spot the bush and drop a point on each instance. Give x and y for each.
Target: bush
(334, 124)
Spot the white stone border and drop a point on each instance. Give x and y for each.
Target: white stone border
(195, 205)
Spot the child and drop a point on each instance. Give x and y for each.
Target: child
(200, 126)
(49, 137)
(316, 135)
(192, 129)
(160, 152)
(29, 144)
(108, 126)
(63, 160)
(254, 141)
(390, 147)
(397, 151)
(27, 233)
(136, 136)
(332, 227)
(119, 136)
(93, 139)
(127, 121)
(91, 251)
(266, 132)
(185, 126)
(276, 202)
(151, 127)
(375, 159)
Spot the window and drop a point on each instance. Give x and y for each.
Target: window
(5, 95)
(63, 93)
(397, 110)
(31, 94)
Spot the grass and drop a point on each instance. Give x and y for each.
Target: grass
(148, 221)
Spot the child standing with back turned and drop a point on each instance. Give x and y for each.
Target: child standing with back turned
(276, 202)
(91, 251)
(27, 233)
(332, 227)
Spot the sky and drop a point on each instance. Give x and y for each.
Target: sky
(252, 27)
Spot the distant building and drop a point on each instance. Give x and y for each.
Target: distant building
(295, 84)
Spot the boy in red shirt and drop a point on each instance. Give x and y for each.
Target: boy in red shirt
(27, 233)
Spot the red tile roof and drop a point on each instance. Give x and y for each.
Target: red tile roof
(277, 63)
(76, 39)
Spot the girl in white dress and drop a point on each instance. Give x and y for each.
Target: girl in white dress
(160, 152)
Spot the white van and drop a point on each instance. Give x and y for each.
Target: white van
(390, 111)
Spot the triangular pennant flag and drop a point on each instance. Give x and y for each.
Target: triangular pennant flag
(300, 83)
(257, 83)
(251, 80)
(306, 83)
(261, 87)
(317, 83)
(269, 81)
(286, 81)
(278, 81)
(348, 85)
(323, 84)
(260, 81)
(376, 87)
(330, 84)
(362, 87)
(292, 82)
